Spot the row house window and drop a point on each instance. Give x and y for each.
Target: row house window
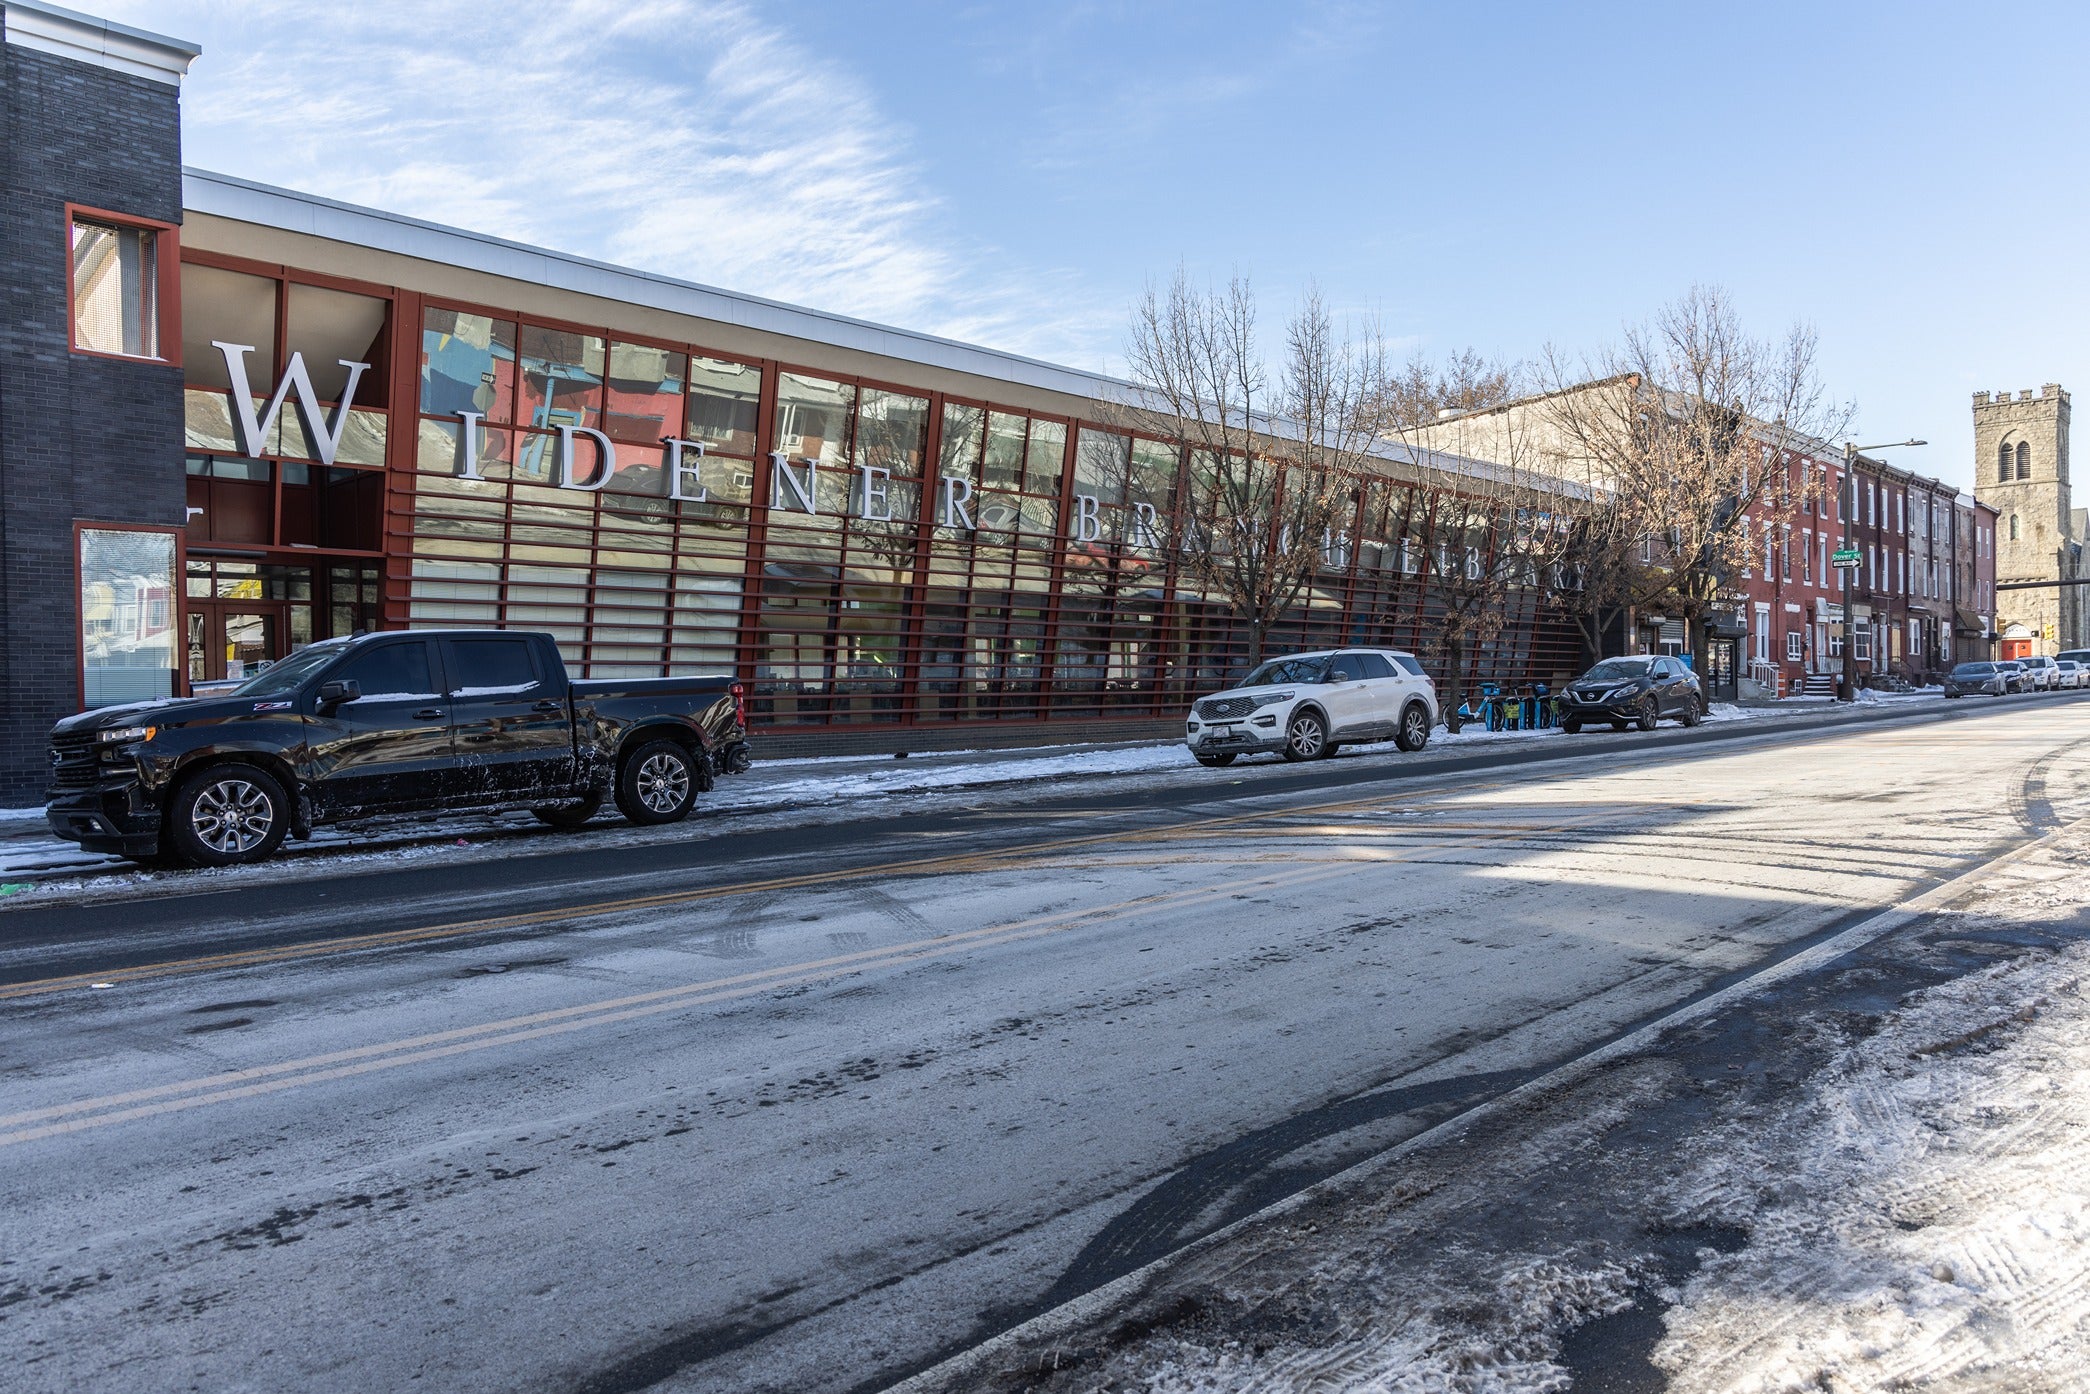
(1807, 555)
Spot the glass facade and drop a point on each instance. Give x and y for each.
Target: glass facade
(864, 553)
(127, 615)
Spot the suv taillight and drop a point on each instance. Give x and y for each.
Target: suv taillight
(739, 706)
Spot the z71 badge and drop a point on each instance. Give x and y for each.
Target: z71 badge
(272, 706)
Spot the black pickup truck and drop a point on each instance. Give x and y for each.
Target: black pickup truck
(388, 723)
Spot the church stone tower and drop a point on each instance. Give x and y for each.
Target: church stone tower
(2021, 469)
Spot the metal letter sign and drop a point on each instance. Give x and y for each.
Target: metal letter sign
(254, 430)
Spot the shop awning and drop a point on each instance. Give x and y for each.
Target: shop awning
(1965, 623)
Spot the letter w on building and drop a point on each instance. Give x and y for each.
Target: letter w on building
(254, 430)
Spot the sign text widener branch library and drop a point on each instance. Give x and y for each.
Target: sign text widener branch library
(792, 485)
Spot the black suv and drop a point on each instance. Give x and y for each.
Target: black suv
(1639, 690)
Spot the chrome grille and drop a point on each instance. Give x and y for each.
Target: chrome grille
(1226, 708)
(72, 759)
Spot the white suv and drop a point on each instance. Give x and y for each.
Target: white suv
(2044, 672)
(1308, 704)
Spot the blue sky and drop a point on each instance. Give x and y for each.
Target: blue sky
(1908, 178)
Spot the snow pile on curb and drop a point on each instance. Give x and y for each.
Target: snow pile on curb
(1922, 1220)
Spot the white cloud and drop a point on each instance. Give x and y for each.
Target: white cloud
(683, 136)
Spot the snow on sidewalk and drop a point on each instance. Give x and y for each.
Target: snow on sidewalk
(1922, 1220)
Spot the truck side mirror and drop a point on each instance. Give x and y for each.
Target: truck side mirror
(333, 694)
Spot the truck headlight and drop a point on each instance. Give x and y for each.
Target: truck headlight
(122, 735)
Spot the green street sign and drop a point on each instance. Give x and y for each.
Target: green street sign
(1847, 556)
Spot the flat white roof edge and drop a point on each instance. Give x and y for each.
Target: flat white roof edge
(46, 28)
(241, 200)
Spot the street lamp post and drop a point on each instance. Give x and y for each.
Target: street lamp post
(1847, 502)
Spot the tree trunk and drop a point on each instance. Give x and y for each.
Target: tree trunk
(1455, 650)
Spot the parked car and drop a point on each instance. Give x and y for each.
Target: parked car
(2071, 674)
(1305, 706)
(2015, 678)
(1977, 679)
(388, 723)
(2081, 656)
(2043, 671)
(1637, 690)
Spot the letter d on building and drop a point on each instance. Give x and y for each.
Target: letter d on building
(605, 458)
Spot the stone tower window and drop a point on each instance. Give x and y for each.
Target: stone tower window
(2013, 527)
(2003, 463)
(2024, 460)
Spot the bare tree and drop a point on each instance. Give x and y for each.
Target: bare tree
(1685, 429)
(1270, 468)
(1500, 526)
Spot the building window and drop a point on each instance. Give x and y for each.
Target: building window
(2013, 527)
(1862, 638)
(116, 287)
(2024, 460)
(127, 593)
(1807, 555)
(2003, 463)
(1795, 646)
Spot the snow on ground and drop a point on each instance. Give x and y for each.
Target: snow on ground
(1922, 1221)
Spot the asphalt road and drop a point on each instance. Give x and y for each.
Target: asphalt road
(812, 1105)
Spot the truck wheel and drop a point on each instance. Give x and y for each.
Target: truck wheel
(569, 815)
(1414, 730)
(1572, 725)
(1214, 762)
(1693, 712)
(227, 815)
(1649, 713)
(657, 783)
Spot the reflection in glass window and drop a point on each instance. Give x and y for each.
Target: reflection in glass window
(960, 453)
(724, 398)
(562, 376)
(126, 615)
(890, 432)
(115, 289)
(644, 396)
(1046, 458)
(1101, 464)
(1003, 467)
(468, 364)
(812, 419)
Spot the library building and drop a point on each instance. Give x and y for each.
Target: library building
(235, 419)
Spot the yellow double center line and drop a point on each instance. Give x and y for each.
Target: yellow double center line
(32, 1124)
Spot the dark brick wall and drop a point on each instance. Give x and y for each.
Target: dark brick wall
(80, 437)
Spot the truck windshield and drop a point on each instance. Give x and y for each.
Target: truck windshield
(1612, 669)
(289, 674)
